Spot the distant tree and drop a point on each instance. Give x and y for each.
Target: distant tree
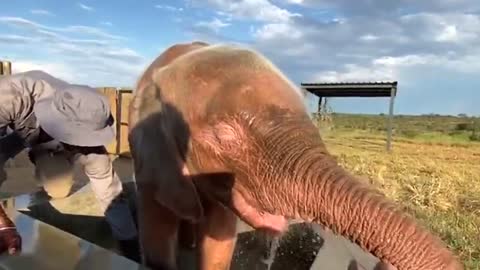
(464, 126)
(475, 130)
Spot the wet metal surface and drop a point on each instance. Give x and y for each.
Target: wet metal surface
(304, 247)
(45, 247)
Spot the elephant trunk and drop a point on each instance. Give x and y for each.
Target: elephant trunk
(299, 178)
(332, 197)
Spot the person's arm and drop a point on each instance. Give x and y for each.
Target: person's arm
(99, 169)
(107, 188)
(10, 146)
(10, 240)
(16, 112)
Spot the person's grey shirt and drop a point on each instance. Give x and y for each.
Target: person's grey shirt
(18, 94)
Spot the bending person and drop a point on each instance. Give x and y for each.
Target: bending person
(76, 120)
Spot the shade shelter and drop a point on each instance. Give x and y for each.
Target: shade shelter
(357, 89)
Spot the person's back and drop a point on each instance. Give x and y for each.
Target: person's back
(18, 94)
(35, 83)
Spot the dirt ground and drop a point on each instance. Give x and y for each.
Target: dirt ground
(21, 179)
(72, 214)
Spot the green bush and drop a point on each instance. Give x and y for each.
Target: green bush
(475, 137)
(456, 132)
(464, 126)
(410, 133)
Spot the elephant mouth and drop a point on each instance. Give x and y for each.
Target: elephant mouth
(274, 224)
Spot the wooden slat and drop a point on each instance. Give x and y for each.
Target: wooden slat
(124, 150)
(125, 97)
(119, 102)
(111, 94)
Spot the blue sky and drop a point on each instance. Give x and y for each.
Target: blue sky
(430, 47)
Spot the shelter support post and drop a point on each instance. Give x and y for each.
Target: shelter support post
(319, 108)
(390, 119)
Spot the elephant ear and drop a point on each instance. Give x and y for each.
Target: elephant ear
(158, 160)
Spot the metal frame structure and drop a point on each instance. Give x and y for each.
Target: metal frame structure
(357, 89)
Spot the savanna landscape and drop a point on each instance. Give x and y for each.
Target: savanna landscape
(433, 169)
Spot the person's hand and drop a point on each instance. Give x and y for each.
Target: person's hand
(10, 240)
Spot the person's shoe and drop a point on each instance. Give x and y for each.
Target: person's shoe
(130, 249)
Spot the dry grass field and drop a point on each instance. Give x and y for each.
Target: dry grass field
(437, 180)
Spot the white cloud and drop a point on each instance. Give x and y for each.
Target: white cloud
(214, 25)
(445, 27)
(59, 70)
(98, 59)
(391, 68)
(355, 73)
(17, 21)
(169, 8)
(226, 16)
(106, 23)
(389, 8)
(15, 39)
(405, 61)
(297, 2)
(39, 28)
(260, 10)
(90, 31)
(368, 37)
(278, 30)
(41, 12)
(381, 69)
(85, 7)
(371, 46)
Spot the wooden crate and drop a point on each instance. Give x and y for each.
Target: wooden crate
(119, 102)
(111, 94)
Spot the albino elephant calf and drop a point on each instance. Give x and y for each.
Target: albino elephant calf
(217, 132)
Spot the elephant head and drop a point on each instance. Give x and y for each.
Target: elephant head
(247, 119)
(284, 169)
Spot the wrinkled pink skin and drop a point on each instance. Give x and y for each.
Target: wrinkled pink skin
(217, 134)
